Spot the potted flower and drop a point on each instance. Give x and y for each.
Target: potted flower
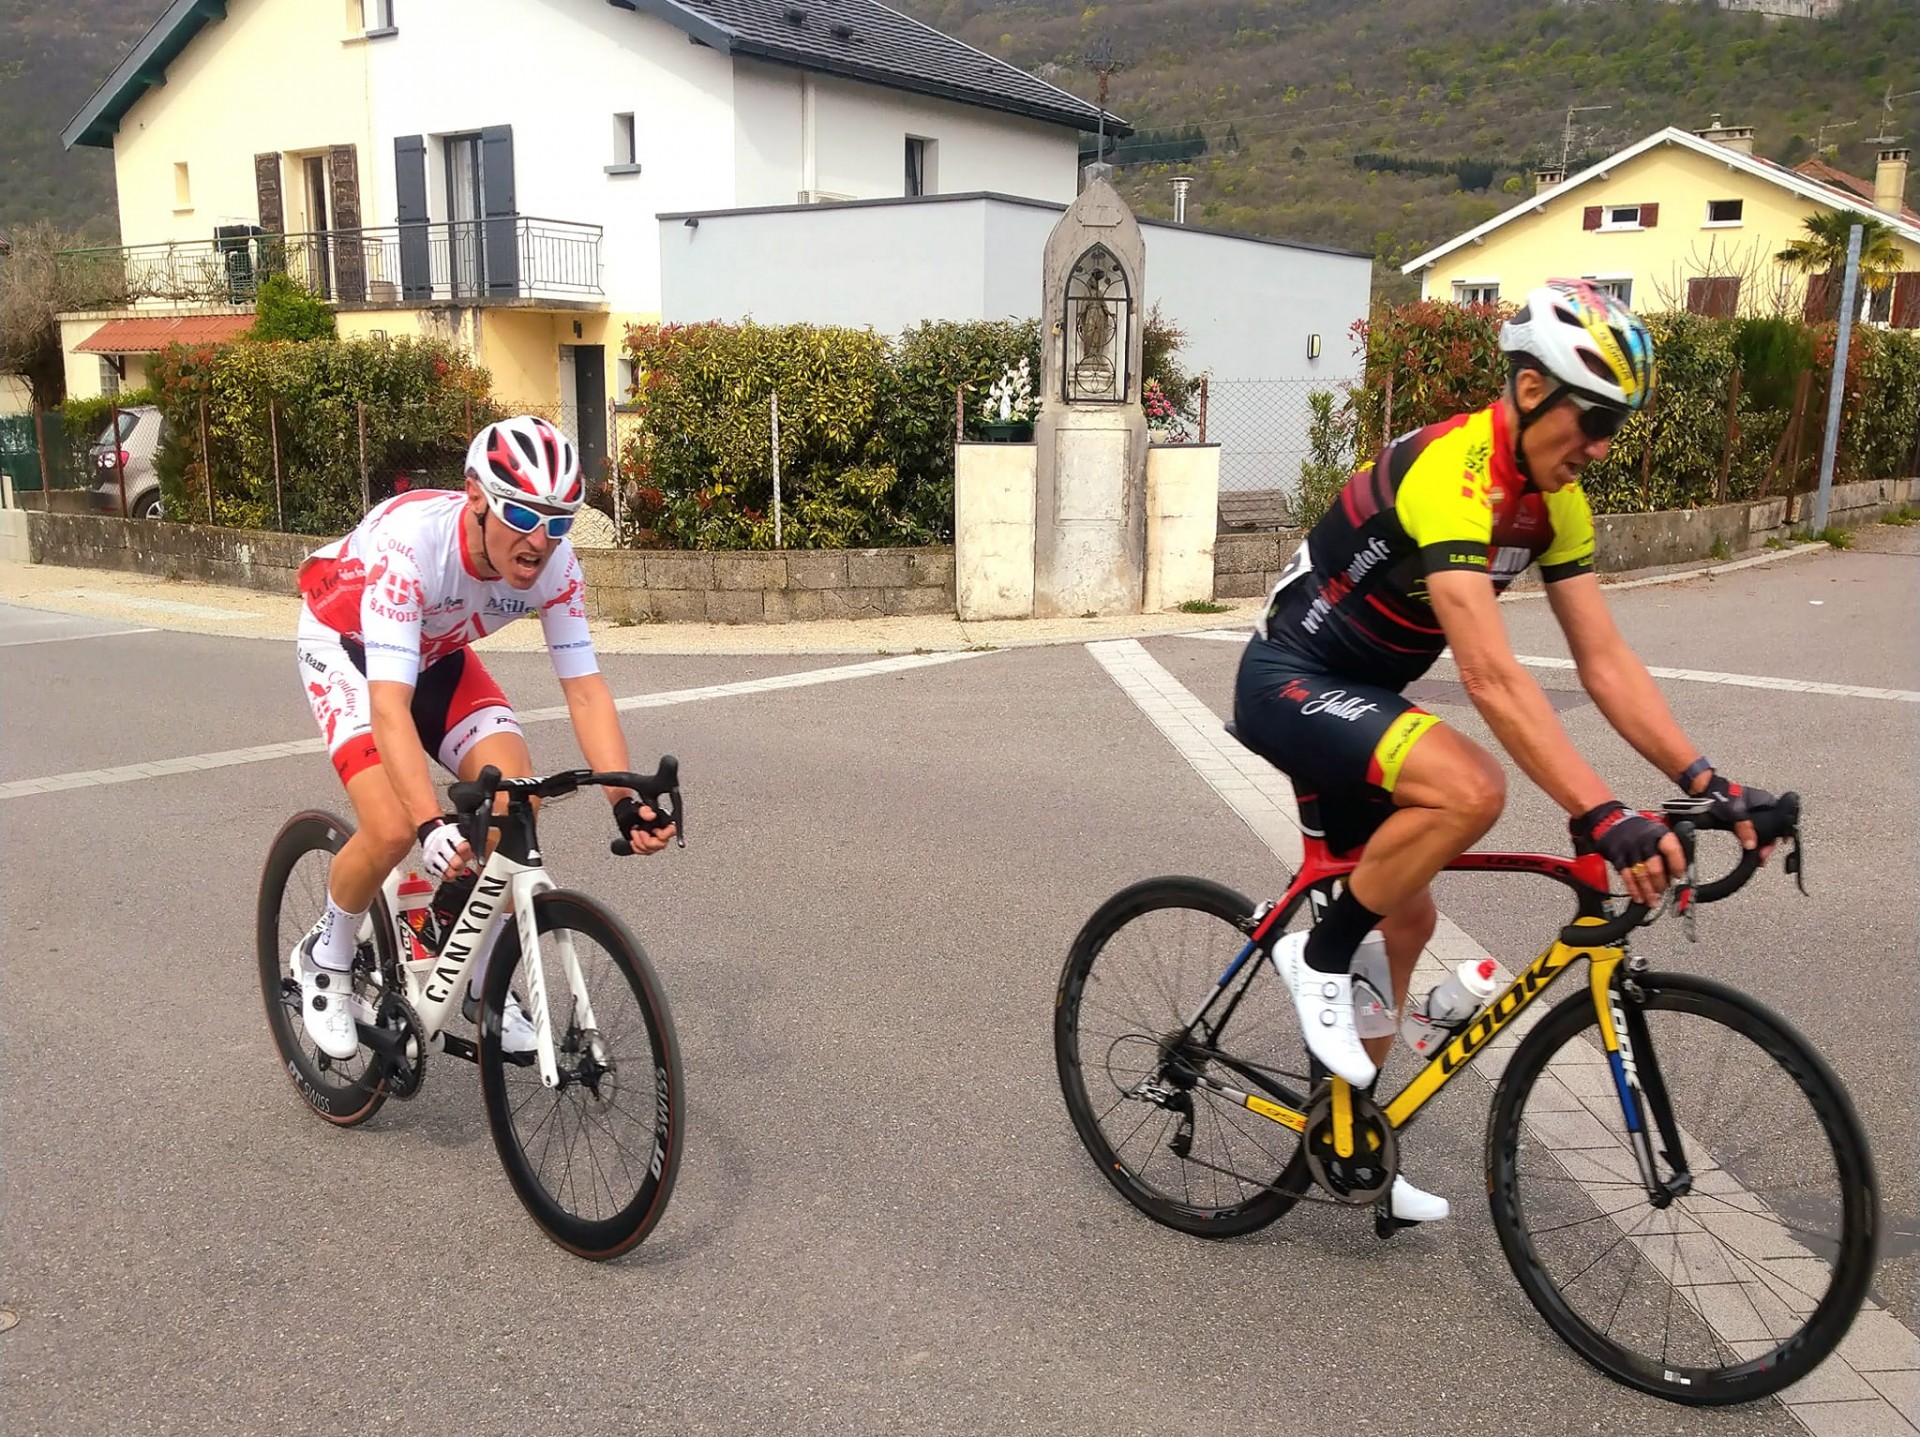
(1164, 422)
(1007, 412)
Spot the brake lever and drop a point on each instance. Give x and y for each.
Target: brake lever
(1793, 863)
(1682, 892)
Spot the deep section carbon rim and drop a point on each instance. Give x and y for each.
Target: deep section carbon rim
(1739, 1286)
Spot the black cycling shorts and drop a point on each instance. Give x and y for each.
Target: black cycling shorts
(1341, 741)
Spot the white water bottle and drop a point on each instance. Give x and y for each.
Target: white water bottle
(1373, 1015)
(1450, 1006)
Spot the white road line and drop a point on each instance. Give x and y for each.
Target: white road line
(1263, 798)
(228, 758)
(69, 638)
(1692, 676)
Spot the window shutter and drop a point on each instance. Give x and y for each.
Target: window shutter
(1590, 218)
(1906, 300)
(499, 205)
(410, 189)
(1819, 290)
(1649, 216)
(266, 187)
(349, 254)
(1726, 298)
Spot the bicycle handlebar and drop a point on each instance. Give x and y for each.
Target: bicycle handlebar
(471, 799)
(1780, 819)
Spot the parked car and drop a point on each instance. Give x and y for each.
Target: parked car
(128, 457)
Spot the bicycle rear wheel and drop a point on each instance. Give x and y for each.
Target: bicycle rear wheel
(293, 893)
(1743, 1284)
(1130, 1057)
(593, 1160)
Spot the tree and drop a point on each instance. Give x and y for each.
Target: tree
(1822, 251)
(35, 289)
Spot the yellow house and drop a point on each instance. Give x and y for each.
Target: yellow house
(1678, 221)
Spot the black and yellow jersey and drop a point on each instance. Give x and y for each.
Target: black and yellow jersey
(1354, 598)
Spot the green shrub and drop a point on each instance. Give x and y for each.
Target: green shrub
(286, 310)
(419, 398)
(1329, 462)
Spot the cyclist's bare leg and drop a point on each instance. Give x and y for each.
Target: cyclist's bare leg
(382, 835)
(1449, 793)
(1406, 932)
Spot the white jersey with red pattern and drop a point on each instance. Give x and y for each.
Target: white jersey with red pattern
(404, 586)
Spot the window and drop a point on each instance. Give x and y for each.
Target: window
(920, 176)
(1476, 291)
(1619, 286)
(626, 376)
(1621, 217)
(110, 386)
(1717, 298)
(182, 187)
(1877, 307)
(623, 140)
(1724, 212)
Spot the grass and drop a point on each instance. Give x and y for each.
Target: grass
(1837, 538)
(1721, 549)
(1203, 606)
(1904, 517)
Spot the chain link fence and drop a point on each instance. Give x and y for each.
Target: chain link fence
(1265, 430)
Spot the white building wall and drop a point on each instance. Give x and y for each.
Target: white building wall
(557, 73)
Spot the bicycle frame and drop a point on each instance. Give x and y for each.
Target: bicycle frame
(1588, 878)
(511, 879)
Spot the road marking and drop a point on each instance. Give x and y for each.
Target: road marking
(1578, 1084)
(1692, 676)
(262, 753)
(69, 638)
(179, 607)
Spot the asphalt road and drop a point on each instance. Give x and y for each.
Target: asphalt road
(884, 1222)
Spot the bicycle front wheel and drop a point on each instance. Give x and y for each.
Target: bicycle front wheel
(1750, 1275)
(1135, 1064)
(594, 1159)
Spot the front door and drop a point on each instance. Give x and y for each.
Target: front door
(590, 405)
(319, 258)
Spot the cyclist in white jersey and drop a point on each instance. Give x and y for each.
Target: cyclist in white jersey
(383, 651)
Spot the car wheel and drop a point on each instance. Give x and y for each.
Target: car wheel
(147, 506)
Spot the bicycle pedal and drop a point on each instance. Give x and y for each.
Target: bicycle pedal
(1385, 1224)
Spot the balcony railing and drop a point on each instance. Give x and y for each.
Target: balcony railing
(514, 257)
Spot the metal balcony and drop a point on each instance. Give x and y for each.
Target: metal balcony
(514, 258)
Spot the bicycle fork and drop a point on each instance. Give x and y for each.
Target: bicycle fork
(1618, 1002)
(527, 885)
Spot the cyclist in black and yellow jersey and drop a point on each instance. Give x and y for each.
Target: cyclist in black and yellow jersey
(1409, 561)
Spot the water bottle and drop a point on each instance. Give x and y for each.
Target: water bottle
(1373, 1015)
(1450, 1006)
(414, 901)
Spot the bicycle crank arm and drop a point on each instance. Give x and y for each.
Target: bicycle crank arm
(389, 1043)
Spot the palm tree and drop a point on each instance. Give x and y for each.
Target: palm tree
(1822, 252)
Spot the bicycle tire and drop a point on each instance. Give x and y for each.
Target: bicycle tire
(509, 1087)
(1255, 1201)
(343, 1092)
(1727, 1265)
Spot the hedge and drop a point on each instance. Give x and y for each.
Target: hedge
(420, 398)
(866, 427)
(1445, 359)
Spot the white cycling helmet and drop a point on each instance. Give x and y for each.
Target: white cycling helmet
(1584, 338)
(526, 460)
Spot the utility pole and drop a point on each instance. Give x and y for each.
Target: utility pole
(1566, 135)
(1105, 64)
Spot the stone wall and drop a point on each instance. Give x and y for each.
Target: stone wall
(631, 586)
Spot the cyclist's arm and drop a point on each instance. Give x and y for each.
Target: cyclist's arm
(1507, 696)
(391, 613)
(401, 753)
(603, 743)
(1615, 678)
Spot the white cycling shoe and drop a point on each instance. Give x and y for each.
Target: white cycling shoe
(1325, 1004)
(327, 1004)
(1409, 1204)
(516, 1028)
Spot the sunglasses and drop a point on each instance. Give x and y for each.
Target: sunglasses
(1598, 421)
(522, 520)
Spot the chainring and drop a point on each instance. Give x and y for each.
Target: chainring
(405, 1076)
(1365, 1175)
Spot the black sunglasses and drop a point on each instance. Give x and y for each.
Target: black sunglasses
(1598, 421)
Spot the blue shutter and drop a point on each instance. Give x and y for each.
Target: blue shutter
(500, 207)
(410, 187)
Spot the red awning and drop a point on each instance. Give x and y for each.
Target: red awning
(150, 336)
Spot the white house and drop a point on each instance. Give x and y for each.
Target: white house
(492, 170)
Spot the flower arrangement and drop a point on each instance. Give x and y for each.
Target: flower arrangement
(1164, 422)
(1010, 399)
